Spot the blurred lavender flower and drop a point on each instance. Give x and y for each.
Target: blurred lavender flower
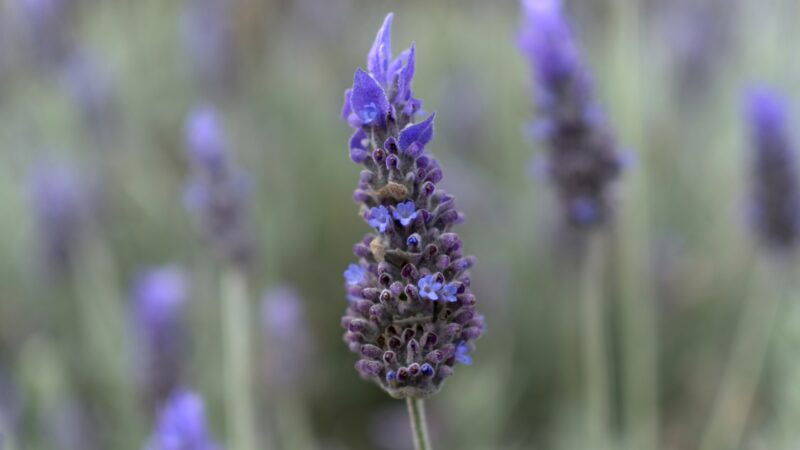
(71, 428)
(286, 336)
(61, 202)
(181, 425)
(583, 155)
(217, 192)
(405, 336)
(159, 301)
(89, 83)
(49, 27)
(776, 187)
(208, 40)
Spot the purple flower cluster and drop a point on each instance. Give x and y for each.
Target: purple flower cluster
(583, 156)
(181, 425)
(411, 314)
(159, 300)
(217, 191)
(776, 187)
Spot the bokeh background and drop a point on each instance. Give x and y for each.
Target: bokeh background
(101, 89)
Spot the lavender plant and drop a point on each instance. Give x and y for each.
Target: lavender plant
(208, 41)
(217, 196)
(411, 315)
(288, 357)
(181, 425)
(61, 204)
(286, 337)
(159, 299)
(775, 206)
(583, 159)
(217, 193)
(776, 186)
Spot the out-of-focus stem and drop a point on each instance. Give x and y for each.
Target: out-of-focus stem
(7, 441)
(236, 332)
(105, 359)
(419, 429)
(595, 351)
(740, 380)
(295, 431)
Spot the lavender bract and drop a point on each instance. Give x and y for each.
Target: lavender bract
(583, 156)
(775, 187)
(407, 338)
(182, 425)
(159, 300)
(217, 191)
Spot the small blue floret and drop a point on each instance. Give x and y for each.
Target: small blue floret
(354, 274)
(429, 288)
(405, 212)
(379, 218)
(449, 293)
(462, 354)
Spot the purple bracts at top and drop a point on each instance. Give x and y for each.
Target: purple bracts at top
(159, 301)
(410, 304)
(775, 188)
(583, 156)
(286, 337)
(217, 192)
(181, 425)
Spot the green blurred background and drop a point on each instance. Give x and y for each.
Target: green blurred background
(670, 74)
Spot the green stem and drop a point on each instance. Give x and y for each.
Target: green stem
(595, 352)
(292, 420)
(738, 387)
(419, 429)
(104, 361)
(236, 317)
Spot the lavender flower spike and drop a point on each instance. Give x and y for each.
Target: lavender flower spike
(159, 300)
(410, 301)
(776, 186)
(62, 206)
(583, 156)
(217, 191)
(182, 425)
(286, 337)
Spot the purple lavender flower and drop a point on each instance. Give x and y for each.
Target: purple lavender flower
(449, 292)
(462, 354)
(584, 160)
(405, 213)
(429, 288)
(379, 218)
(286, 336)
(405, 337)
(217, 192)
(159, 300)
(89, 83)
(776, 188)
(181, 425)
(355, 275)
(209, 44)
(49, 27)
(61, 203)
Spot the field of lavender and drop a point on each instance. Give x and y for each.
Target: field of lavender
(185, 265)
